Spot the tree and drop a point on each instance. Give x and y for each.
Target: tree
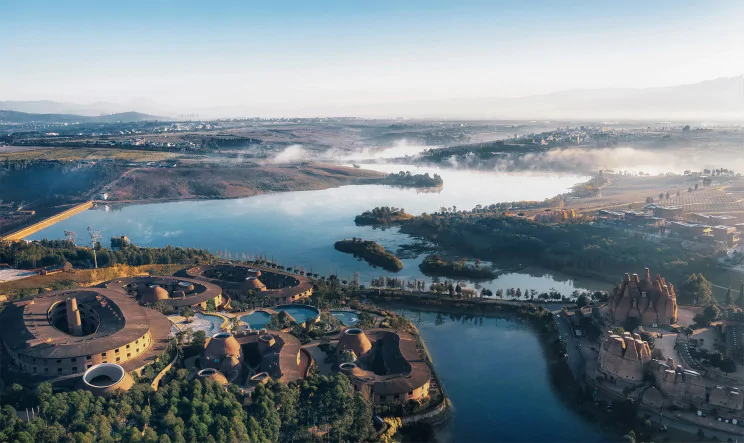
(710, 314)
(697, 290)
(211, 307)
(582, 301)
(728, 299)
(199, 339)
(187, 312)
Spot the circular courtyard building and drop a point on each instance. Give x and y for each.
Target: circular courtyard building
(62, 334)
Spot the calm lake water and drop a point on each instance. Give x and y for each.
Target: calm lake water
(494, 372)
(299, 229)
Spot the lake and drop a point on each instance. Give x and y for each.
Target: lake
(493, 369)
(495, 374)
(298, 229)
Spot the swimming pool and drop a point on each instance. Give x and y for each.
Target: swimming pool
(300, 313)
(257, 319)
(348, 318)
(216, 322)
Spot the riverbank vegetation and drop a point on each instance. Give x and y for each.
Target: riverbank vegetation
(580, 248)
(382, 216)
(371, 252)
(434, 265)
(407, 179)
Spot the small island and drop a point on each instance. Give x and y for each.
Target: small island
(381, 216)
(372, 252)
(405, 178)
(434, 265)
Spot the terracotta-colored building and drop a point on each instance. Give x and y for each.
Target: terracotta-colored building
(623, 358)
(62, 334)
(177, 292)
(406, 374)
(236, 280)
(652, 302)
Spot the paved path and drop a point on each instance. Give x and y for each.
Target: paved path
(575, 358)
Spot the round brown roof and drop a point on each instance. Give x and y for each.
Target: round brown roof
(356, 340)
(153, 294)
(221, 345)
(212, 374)
(230, 366)
(105, 378)
(254, 283)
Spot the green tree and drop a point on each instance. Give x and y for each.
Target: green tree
(187, 313)
(200, 338)
(697, 289)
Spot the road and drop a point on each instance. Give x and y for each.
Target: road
(575, 358)
(673, 422)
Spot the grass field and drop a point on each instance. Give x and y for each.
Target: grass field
(77, 154)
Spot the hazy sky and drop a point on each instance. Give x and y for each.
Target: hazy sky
(301, 53)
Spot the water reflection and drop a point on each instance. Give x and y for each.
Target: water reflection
(495, 374)
(298, 229)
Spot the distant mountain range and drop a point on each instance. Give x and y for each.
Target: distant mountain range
(722, 99)
(124, 117)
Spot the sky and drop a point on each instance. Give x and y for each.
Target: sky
(333, 55)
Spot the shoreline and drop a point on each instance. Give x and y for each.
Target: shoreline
(561, 378)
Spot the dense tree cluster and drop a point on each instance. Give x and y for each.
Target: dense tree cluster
(56, 252)
(372, 252)
(196, 411)
(381, 216)
(436, 266)
(575, 248)
(414, 180)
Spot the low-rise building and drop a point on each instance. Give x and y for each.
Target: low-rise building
(725, 234)
(669, 212)
(690, 230)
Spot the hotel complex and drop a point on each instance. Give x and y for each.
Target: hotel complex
(64, 333)
(95, 338)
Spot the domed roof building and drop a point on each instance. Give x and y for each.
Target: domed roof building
(212, 374)
(153, 294)
(354, 339)
(106, 378)
(652, 302)
(220, 346)
(255, 284)
(390, 368)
